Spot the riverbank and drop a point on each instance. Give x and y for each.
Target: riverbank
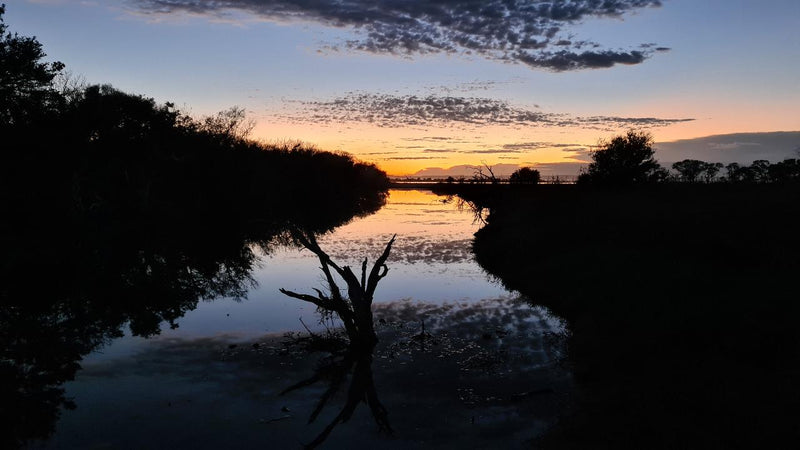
(681, 301)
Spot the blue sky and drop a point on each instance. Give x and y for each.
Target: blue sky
(731, 67)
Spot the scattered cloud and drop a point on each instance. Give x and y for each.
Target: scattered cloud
(531, 146)
(732, 145)
(536, 33)
(412, 158)
(490, 151)
(440, 150)
(428, 139)
(395, 111)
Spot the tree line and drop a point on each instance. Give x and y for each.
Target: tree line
(629, 159)
(94, 154)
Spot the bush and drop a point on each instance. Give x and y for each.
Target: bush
(624, 160)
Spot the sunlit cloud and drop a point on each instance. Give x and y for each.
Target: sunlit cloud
(537, 33)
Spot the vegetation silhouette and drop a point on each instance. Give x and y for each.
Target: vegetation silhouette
(681, 303)
(623, 161)
(525, 175)
(120, 211)
(97, 283)
(679, 293)
(354, 310)
(692, 170)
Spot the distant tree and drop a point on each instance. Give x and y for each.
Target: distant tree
(624, 160)
(26, 89)
(759, 171)
(692, 170)
(733, 173)
(786, 171)
(689, 169)
(480, 176)
(525, 175)
(711, 171)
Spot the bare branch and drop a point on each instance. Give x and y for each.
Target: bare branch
(364, 272)
(307, 298)
(375, 275)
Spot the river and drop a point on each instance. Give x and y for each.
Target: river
(485, 371)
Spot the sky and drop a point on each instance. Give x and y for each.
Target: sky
(419, 87)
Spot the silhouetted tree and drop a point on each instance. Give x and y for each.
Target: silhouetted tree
(25, 80)
(759, 171)
(624, 160)
(710, 171)
(733, 172)
(525, 175)
(355, 308)
(485, 174)
(689, 169)
(786, 171)
(692, 170)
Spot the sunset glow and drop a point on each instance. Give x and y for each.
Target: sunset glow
(678, 68)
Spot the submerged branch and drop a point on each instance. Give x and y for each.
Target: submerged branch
(355, 310)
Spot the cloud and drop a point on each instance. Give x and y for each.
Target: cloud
(412, 158)
(531, 146)
(490, 151)
(726, 148)
(531, 32)
(428, 139)
(732, 145)
(396, 111)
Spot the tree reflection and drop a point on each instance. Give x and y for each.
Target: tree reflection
(355, 312)
(66, 294)
(357, 364)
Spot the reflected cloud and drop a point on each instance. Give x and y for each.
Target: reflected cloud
(435, 380)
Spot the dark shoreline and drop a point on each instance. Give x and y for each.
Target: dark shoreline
(680, 299)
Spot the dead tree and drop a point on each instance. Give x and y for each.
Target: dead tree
(354, 309)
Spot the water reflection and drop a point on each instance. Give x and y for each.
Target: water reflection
(354, 311)
(488, 375)
(357, 365)
(484, 369)
(66, 295)
(46, 327)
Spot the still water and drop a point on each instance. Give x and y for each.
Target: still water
(483, 373)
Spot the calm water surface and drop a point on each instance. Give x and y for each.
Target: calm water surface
(484, 373)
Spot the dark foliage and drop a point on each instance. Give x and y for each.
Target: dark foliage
(525, 175)
(109, 202)
(26, 92)
(680, 299)
(624, 161)
(693, 171)
(761, 171)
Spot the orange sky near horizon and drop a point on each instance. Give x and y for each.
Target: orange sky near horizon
(406, 150)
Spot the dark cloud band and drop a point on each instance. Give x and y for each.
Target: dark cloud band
(530, 32)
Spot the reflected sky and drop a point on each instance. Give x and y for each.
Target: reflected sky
(217, 379)
(487, 376)
(431, 262)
